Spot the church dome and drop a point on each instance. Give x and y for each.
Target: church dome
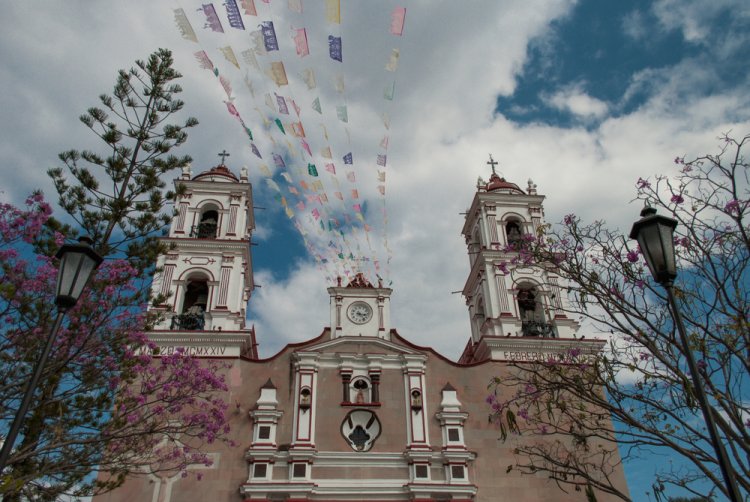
(497, 183)
(221, 170)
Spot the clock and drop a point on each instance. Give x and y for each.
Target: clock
(359, 312)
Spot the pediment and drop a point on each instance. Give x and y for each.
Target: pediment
(361, 345)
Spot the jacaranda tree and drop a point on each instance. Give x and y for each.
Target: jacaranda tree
(638, 392)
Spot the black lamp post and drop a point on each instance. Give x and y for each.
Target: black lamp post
(77, 265)
(654, 234)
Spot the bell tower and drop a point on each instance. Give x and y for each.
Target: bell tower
(205, 279)
(506, 300)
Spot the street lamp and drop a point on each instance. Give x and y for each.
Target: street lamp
(77, 264)
(654, 234)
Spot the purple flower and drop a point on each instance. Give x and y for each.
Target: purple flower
(641, 183)
(677, 199)
(732, 207)
(633, 256)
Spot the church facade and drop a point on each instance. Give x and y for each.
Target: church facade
(357, 412)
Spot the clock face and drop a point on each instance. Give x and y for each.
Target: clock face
(359, 312)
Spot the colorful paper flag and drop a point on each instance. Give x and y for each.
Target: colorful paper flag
(183, 24)
(334, 48)
(264, 170)
(278, 160)
(306, 147)
(273, 184)
(255, 150)
(326, 153)
(338, 84)
(316, 105)
(386, 120)
(295, 6)
(308, 75)
(341, 113)
(280, 126)
(233, 110)
(293, 190)
(381, 160)
(357, 208)
(348, 159)
(296, 108)
(338, 195)
(233, 14)
(355, 193)
(278, 73)
(389, 91)
(384, 142)
(316, 213)
(282, 104)
(300, 42)
(289, 212)
(287, 177)
(331, 168)
(259, 45)
(333, 11)
(392, 64)
(228, 54)
(248, 56)
(212, 19)
(381, 189)
(249, 7)
(269, 36)
(298, 130)
(312, 170)
(350, 176)
(226, 85)
(203, 60)
(381, 176)
(397, 21)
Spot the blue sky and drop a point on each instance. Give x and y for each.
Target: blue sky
(583, 97)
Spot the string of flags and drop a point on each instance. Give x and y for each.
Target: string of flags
(328, 206)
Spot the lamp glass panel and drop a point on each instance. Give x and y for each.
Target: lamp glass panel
(75, 270)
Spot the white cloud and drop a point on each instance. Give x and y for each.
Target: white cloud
(574, 99)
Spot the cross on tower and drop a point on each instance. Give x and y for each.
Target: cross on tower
(224, 154)
(492, 163)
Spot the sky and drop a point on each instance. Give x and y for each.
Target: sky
(581, 97)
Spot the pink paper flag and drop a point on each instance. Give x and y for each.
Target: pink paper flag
(357, 208)
(316, 213)
(397, 20)
(306, 147)
(338, 195)
(300, 42)
(355, 193)
(331, 168)
(350, 176)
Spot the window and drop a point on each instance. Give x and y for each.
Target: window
(457, 471)
(416, 400)
(361, 389)
(305, 398)
(420, 471)
(260, 470)
(299, 470)
(264, 432)
(453, 435)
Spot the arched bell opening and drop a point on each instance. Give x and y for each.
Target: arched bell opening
(208, 224)
(194, 306)
(531, 312)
